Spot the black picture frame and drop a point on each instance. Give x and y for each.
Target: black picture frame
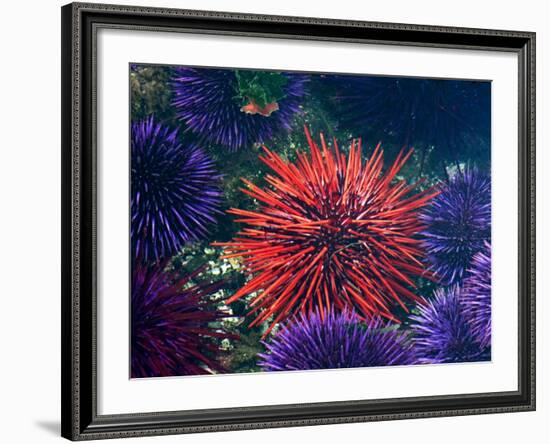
(80, 420)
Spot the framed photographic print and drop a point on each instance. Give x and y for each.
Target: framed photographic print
(279, 221)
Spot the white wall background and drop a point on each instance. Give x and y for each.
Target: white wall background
(30, 219)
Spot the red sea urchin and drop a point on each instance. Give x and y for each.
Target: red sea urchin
(332, 232)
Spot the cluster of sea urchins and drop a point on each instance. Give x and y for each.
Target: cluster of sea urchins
(174, 192)
(171, 335)
(205, 99)
(336, 245)
(332, 232)
(457, 225)
(326, 339)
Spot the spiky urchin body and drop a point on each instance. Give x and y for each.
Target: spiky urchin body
(170, 331)
(441, 332)
(333, 231)
(324, 340)
(447, 114)
(476, 296)
(205, 100)
(175, 192)
(458, 222)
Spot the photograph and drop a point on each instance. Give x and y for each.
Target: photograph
(292, 220)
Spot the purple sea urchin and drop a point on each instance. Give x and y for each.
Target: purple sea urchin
(170, 328)
(206, 100)
(174, 192)
(458, 222)
(441, 333)
(326, 340)
(476, 296)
